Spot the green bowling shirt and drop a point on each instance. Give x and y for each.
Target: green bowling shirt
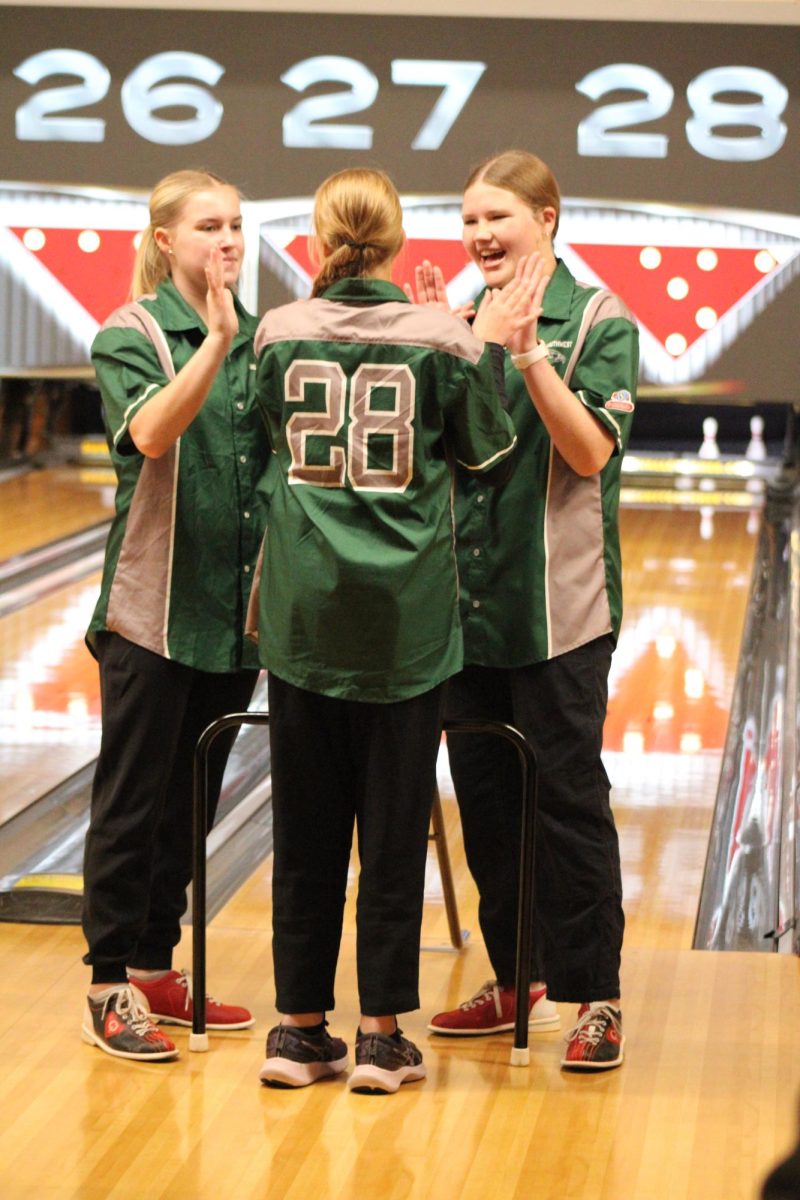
(539, 560)
(367, 398)
(184, 542)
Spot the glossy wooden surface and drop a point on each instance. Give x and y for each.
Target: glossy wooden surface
(49, 695)
(38, 506)
(49, 689)
(671, 683)
(704, 1104)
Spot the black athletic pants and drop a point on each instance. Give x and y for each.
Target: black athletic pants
(138, 856)
(560, 707)
(336, 763)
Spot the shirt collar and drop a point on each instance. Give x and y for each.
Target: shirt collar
(176, 315)
(558, 297)
(364, 291)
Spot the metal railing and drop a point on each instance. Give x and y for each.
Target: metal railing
(520, 1055)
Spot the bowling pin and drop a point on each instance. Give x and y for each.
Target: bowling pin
(709, 448)
(756, 450)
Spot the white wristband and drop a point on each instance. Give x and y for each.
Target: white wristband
(529, 357)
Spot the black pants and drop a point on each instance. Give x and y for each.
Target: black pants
(138, 856)
(336, 763)
(560, 707)
(783, 1181)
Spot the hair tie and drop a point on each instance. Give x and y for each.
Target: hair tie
(360, 246)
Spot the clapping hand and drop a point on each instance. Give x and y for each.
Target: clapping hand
(431, 290)
(509, 314)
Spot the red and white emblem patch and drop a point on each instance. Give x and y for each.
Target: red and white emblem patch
(620, 401)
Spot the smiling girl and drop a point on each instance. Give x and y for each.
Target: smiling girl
(541, 604)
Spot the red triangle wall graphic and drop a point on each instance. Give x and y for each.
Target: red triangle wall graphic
(100, 279)
(734, 273)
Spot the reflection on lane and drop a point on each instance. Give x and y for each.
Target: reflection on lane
(49, 695)
(670, 690)
(670, 693)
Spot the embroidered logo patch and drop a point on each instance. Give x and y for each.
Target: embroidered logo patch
(620, 402)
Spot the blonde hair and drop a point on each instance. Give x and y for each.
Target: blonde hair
(358, 223)
(530, 179)
(167, 202)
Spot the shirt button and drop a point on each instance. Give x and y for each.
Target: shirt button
(247, 568)
(476, 553)
(246, 516)
(480, 499)
(242, 458)
(239, 405)
(476, 603)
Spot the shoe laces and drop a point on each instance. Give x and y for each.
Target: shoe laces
(372, 1045)
(137, 1017)
(590, 1028)
(487, 991)
(185, 981)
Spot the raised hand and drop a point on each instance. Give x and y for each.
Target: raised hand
(508, 315)
(531, 275)
(222, 319)
(431, 290)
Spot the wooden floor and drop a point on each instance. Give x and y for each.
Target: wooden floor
(41, 505)
(704, 1104)
(49, 687)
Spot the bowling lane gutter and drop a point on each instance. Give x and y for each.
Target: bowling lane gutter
(41, 848)
(750, 894)
(28, 577)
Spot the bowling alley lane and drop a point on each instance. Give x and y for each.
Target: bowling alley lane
(49, 692)
(40, 506)
(687, 577)
(49, 695)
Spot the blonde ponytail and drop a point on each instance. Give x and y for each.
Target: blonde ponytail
(358, 224)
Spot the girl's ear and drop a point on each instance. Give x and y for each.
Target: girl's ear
(548, 216)
(162, 239)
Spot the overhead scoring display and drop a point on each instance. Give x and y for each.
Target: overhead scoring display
(160, 83)
(697, 114)
(672, 144)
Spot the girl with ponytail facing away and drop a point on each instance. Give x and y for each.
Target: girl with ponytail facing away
(368, 400)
